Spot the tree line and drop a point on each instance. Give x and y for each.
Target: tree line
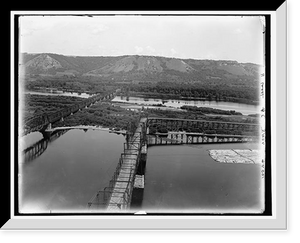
(217, 92)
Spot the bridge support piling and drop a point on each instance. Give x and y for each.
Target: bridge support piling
(126, 187)
(45, 132)
(142, 162)
(139, 182)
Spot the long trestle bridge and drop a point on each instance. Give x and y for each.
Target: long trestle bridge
(117, 196)
(43, 122)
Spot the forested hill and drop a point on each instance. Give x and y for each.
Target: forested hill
(140, 68)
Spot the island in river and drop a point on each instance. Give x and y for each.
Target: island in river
(117, 116)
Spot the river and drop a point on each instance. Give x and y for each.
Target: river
(182, 178)
(185, 179)
(136, 102)
(178, 178)
(70, 171)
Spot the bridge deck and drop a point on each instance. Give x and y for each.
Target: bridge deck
(40, 123)
(117, 196)
(197, 138)
(120, 196)
(199, 120)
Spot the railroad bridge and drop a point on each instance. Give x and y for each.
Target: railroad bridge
(44, 122)
(129, 173)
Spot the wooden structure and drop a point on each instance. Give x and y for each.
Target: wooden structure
(116, 197)
(197, 138)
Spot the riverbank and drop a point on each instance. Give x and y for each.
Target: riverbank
(68, 94)
(138, 107)
(101, 114)
(28, 140)
(87, 127)
(117, 116)
(192, 98)
(207, 106)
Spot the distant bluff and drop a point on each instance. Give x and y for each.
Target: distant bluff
(136, 67)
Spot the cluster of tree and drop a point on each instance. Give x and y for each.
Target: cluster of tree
(35, 105)
(74, 84)
(200, 90)
(183, 114)
(234, 90)
(112, 116)
(101, 114)
(208, 110)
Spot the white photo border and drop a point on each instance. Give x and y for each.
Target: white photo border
(278, 220)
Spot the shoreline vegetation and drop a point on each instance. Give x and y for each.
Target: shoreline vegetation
(116, 118)
(88, 127)
(196, 98)
(241, 89)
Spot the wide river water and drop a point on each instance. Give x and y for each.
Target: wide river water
(182, 178)
(136, 102)
(185, 179)
(69, 172)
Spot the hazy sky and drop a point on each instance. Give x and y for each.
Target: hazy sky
(199, 37)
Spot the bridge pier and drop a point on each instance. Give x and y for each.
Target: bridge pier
(126, 188)
(45, 132)
(142, 162)
(139, 181)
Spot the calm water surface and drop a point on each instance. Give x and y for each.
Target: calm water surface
(72, 169)
(177, 179)
(184, 178)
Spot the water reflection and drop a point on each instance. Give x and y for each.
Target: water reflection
(69, 171)
(38, 148)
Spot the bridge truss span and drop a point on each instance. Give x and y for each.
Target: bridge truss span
(186, 138)
(44, 122)
(117, 195)
(204, 126)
